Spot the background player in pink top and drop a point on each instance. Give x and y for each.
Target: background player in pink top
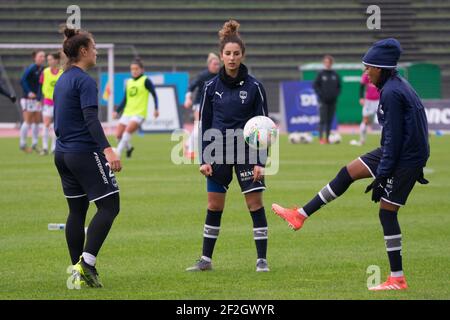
(369, 98)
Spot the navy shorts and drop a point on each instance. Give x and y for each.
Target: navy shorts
(399, 185)
(85, 174)
(223, 175)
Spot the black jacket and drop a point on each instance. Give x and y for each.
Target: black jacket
(198, 83)
(327, 86)
(404, 138)
(228, 103)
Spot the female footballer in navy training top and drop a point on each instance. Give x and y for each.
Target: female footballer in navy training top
(228, 101)
(395, 166)
(85, 160)
(31, 106)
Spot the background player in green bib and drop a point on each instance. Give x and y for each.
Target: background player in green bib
(48, 80)
(134, 106)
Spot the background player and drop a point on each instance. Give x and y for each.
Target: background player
(369, 97)
(196, 88)
(327, 86)
(134, 106)
(31, 106)
(83, 156)
(229, 100)
(48, 80)
(396, 165)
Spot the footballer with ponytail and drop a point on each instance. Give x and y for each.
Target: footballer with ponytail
(79, 44)
(230, 34)
(228, 101)
(83, 156)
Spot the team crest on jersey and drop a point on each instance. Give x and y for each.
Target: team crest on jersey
(243, 95)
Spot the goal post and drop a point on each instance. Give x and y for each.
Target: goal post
(103, 46)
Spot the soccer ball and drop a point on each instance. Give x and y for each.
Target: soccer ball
(260, 132)
(335, 138)
(294, 137)
(300, 137)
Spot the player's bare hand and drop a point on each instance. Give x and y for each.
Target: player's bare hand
(113, 160)
(361, 102)
(156, 114)
(31, 95)
(258, 173)
(115, 115)
(206, 170)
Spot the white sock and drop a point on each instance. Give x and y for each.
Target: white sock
(23, 134)
(53, 135)
(362, 132)
(195, 133)
(206, 259)
(397, 274)
(89, 258)
(45, 134)
(302, 212)
(35, 134)
(129, 145)
(123, 142)
(191, 141)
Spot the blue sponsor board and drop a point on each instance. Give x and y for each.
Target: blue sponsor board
(300, 107)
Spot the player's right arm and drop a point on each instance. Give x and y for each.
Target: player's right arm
(361, 94)
(195, 85)
(362, 88)
(317, 85)
(392, 132)
(121, 106)
(205, 123)
(25, 85)
(89, 107)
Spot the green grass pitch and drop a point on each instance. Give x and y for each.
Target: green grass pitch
(158, 232)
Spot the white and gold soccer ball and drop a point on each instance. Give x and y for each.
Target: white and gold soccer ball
(260, 132)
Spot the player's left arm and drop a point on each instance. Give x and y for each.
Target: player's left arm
(39, 96)
(260, 103)
(151, 88)
(260, 110)
(24, 81)
(393, 133)
(339, 85)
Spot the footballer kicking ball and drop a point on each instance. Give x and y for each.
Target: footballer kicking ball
(260, 132)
